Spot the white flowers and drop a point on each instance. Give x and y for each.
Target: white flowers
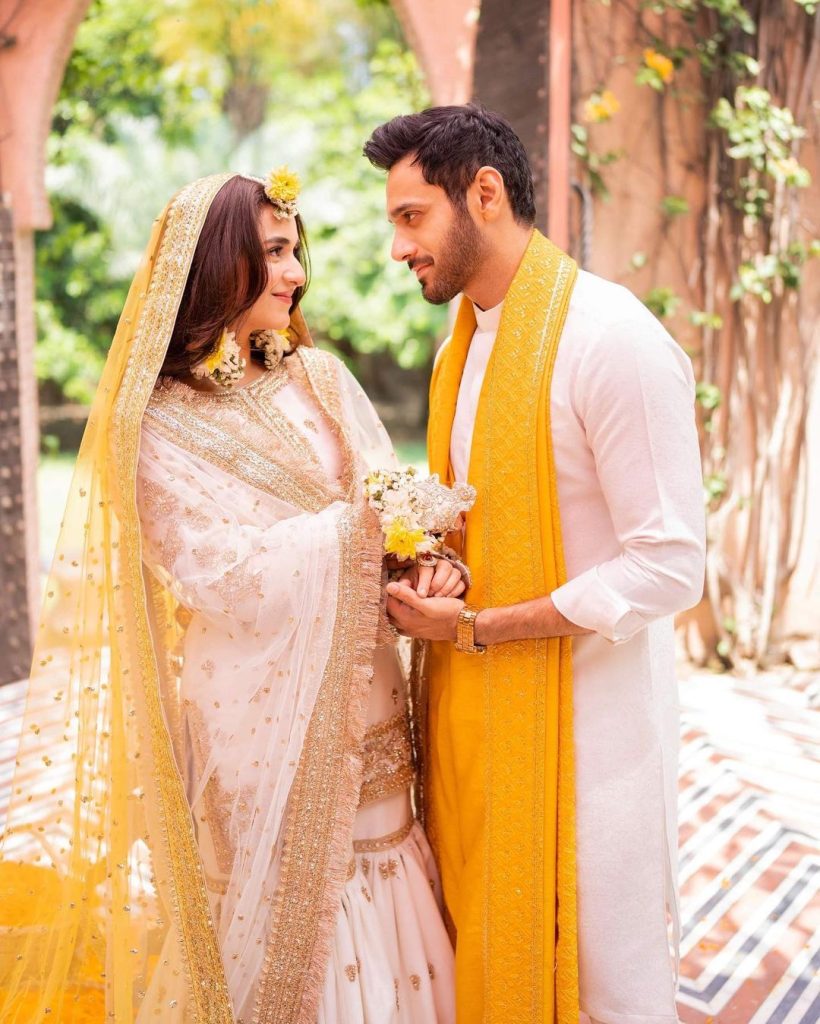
(224, 365)
(414, 512)
(274, 346)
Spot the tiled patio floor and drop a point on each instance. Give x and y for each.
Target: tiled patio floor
(750, 845)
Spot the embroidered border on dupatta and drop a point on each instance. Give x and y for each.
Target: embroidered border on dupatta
(526, 686)
(178, 422)
(317, 831)
(189, 901)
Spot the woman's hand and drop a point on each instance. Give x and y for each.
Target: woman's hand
(440, 580)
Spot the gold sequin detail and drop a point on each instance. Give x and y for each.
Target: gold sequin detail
(188, 419)
(388, 759)
(389, 869)
(316, 831)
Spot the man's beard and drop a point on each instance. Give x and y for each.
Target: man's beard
(463, 250)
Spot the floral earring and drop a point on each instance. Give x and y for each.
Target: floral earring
(274, 346)
(224, 365)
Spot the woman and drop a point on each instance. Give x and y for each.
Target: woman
(224, 830)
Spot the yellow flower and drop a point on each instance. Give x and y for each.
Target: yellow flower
(659, 63)
(283, 186)
(400, 540)
(601, 106)
(215, 358)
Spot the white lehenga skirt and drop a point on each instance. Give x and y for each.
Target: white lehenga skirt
(391, 961)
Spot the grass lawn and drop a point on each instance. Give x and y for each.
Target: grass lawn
(53, 481)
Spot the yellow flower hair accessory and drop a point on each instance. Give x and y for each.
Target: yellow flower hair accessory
(282, 188)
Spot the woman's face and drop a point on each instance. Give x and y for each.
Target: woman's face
(280, 240)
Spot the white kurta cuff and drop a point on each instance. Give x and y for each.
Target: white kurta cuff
(590, 602)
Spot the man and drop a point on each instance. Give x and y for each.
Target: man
(552, 729)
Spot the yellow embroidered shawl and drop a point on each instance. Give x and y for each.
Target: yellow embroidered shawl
(499, 781)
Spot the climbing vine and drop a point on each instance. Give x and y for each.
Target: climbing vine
(750, 68)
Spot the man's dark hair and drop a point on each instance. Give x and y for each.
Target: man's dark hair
(450, 145)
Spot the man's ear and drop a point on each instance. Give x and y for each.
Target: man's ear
(490, 193)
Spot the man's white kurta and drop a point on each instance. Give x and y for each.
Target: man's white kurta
(632, 518)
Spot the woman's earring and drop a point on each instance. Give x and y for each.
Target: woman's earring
(225, 365)
(274, 346)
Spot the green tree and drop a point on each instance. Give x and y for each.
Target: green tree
(130, 130)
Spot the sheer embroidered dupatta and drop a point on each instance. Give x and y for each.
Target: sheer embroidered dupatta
(271, 564)
(105, 912)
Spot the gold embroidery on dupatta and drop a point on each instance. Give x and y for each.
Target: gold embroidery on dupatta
(317, 831)
(190, 906)
(181, 416)
(216, 799)
(237, 585)
(322, 377)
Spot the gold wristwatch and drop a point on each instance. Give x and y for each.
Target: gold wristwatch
(465, 632)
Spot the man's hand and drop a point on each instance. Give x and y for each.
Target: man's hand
(440, 580)
(426, 618)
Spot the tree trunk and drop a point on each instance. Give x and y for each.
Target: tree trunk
(511, 77)
(15, 651)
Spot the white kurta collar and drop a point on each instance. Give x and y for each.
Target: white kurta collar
(487, 320)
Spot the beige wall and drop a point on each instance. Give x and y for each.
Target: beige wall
(663, 142)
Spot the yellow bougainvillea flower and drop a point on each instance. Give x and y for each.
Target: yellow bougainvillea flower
(283, 185)
(601, 106)
(660, 63)
(401, 540)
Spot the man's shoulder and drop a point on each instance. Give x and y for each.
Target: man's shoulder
(606, 317)
(605, 302)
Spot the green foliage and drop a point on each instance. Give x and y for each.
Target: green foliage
(79, 299)
(116, 159)
(592, 161)
(64, 357)
(361, 301)
(760, 277)
(674, 206)
(113, 73)
(762, 135)
(715, 485)
(701, 318)
(663, 302)
(708, 395)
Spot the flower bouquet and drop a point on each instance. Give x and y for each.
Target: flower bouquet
(415, 512)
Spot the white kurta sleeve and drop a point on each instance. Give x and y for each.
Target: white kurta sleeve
(634, 394)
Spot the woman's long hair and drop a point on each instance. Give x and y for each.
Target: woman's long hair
(228, 274)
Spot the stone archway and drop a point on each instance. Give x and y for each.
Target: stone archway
(36, 37)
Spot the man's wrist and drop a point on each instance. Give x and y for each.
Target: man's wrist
(480, 627)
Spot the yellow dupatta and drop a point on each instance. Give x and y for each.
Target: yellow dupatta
(499, 777)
